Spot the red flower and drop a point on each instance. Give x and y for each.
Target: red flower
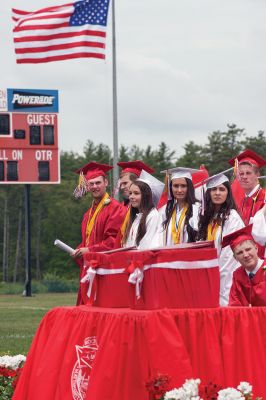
(158, 386)
(10, 373)
(210, 391)
(7, 372)
(15, 381)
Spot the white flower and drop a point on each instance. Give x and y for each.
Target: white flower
(12, 362)
(230, 394)
(176, 394)
(107, 201)
(245, 387)
(191, 387)
(189, 391)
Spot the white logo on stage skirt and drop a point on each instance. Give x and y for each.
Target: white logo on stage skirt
(82, 368)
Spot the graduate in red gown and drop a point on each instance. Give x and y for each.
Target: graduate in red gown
(250, 197)
(129, 173)
(249, 280)
(101, 222)
(253, 197)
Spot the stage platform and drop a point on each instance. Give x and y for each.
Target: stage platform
(91, 353)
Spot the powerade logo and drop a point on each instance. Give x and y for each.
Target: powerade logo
(21, 100)
(30, 100)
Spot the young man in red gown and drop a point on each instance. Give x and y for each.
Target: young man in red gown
(248, 193)
(253, 197)
(249, 280)
(101, 222)
(130, 171)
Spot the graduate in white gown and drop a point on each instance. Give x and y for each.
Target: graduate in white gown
(143, 225)
(219, 219)
(259, 227)
(179, 216)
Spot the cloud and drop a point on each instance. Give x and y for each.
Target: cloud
(184, 69)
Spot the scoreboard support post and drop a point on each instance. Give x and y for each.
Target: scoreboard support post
(27, 290)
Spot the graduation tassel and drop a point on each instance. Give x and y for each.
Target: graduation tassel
(236, 170)
(116, 188)
(82, 188)
(167, 184)
(202, 200)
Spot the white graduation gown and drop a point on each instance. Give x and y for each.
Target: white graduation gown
(151, 238)
(259, 227)
(166, 238)
(226, 260)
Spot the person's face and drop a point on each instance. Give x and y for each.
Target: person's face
(97, 187)
(246, 253)
(125, 183)
(218, 195)
(135, 196)
(179, 189)
(248, 177)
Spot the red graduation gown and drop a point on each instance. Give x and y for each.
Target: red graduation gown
(251, 205)
(124, 210)
(105, 228)
(103, 234)
(245, 291)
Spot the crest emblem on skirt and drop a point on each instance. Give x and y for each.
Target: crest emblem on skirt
(82, 369)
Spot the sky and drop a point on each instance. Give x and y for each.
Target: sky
(185, 68)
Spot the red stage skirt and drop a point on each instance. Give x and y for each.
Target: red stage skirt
(186, 276)
(109, 354)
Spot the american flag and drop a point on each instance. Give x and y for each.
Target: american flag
(73, 30)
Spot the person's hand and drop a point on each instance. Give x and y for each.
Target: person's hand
(80, 252)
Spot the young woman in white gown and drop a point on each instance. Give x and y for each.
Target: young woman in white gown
(220, 218)
(143, 224)
(179, 216)
(259, 227)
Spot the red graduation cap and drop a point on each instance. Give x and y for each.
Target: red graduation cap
(93, 170)
(134, 167)
(233, 239)
(200, 176)
(250, 157)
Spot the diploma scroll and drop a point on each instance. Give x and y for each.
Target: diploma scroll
(63, 246)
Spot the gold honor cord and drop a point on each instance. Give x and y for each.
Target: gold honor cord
(91, 220)
(176, 233)
(212, 230)
(124, 225)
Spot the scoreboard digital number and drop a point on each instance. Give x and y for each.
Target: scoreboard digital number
(29, 151)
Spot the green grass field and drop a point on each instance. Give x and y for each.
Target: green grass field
(20, 317)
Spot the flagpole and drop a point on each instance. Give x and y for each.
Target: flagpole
(115, 130)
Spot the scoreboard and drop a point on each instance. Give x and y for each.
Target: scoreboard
(29, 150)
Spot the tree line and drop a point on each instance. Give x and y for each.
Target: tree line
(56, 214)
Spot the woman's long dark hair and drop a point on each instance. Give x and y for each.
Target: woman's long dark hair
(146, 205)
(211, 214)
(190, 200)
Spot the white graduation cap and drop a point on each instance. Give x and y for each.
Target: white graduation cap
(155, 185)
(216, 180)
(211, 182)
(180, 172)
